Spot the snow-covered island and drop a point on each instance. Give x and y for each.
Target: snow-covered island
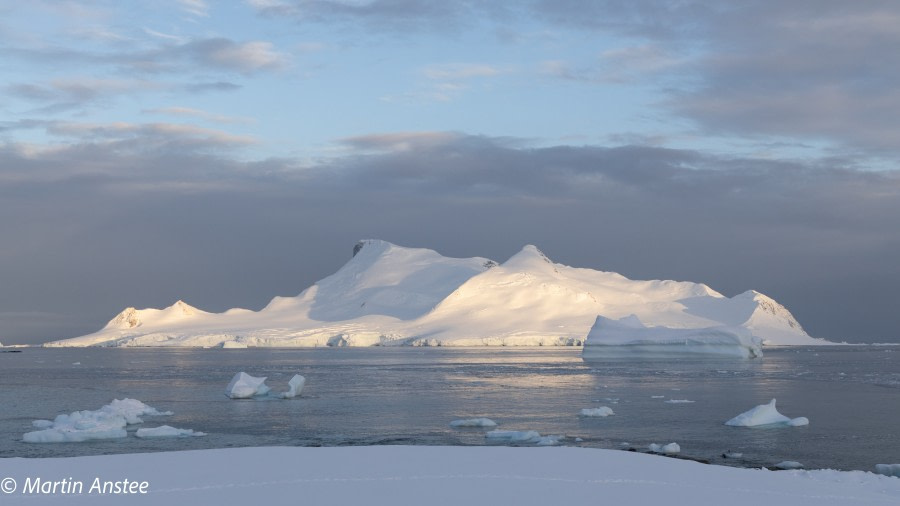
(392, 295)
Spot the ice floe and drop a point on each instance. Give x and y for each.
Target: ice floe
(522, 437)
(245, 386)
(473, 422)
(765, 414)
(108, 422)
(888, 469)
(669, 449)
(167, 431)
(594, 412)
(789, 464)
(679, 401)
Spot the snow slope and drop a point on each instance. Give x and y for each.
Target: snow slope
(437, 476)
(392, 295)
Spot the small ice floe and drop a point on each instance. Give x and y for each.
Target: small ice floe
(522, 437)
(594, 412)
(244, 386)
(474, 422)
(732, 455)
(167, 431)
(578, 440)
(765, 414)
(657, 396)
(107, 422)
(76, 363)
(679, 401)
(669, 449)
(888, 469)
(789, 464)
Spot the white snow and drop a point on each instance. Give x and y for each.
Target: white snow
(391, 295)
(789, 464)
(244, 386)
(601, 411)
(473, 422)
(765, 414)
(669, 449)
(442, 476)
(166, 431)
(628, 337)
(107, 422)
(888, 469)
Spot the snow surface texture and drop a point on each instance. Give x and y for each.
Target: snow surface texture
(107, 422)
(601, 411)
(244, 386)
(391, 295)
(765, 414)
(474, 422)
(167, 431)
(442, 476)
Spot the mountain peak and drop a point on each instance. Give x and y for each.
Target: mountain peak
(529, 258)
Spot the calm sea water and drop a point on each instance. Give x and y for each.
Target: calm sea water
(370, 396)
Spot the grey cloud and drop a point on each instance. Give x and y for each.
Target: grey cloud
(819, 237)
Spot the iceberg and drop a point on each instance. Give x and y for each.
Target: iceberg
(521, 437)
(765, 414)
(669, 449)
(389, 295)
(789, 464)
(244, 386)
(108, 422)
(474, 422)
(167, 431)
(601, 411)
(629, 337)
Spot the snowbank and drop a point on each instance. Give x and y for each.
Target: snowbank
(601, 411)
(474, 422)
(167, 431)
(442, 476)
(629, 337)
(107, 422)
(765, 414)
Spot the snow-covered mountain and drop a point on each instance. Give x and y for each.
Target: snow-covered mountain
(392, 295)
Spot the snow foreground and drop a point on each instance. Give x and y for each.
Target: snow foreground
(766, 415)
(391, 295)
(108, 422)
(437, 476)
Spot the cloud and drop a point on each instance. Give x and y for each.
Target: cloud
(457, 71)
(197, 113)
(74, 92)
(195, 7)
(244, 57)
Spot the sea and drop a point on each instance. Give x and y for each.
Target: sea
(409, 396)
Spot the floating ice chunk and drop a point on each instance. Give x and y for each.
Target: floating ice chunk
(732, 455)
(474, 422)
(657, 396)
(167, 431)
(233, 345)
(789, 464)
(244, 386)
(765, 414)
(295, 386)
(522, 437)
(601, 411)
(679, 401)
(107, 422)
(669, 449)
(888, 469)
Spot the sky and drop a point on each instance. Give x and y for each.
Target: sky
(227, 152)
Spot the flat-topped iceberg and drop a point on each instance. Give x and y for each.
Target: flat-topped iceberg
(765, 414)
(629, 337)
(473, 422)
(602, 411)
(166, 431)
(530, 437)
(108, 422)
